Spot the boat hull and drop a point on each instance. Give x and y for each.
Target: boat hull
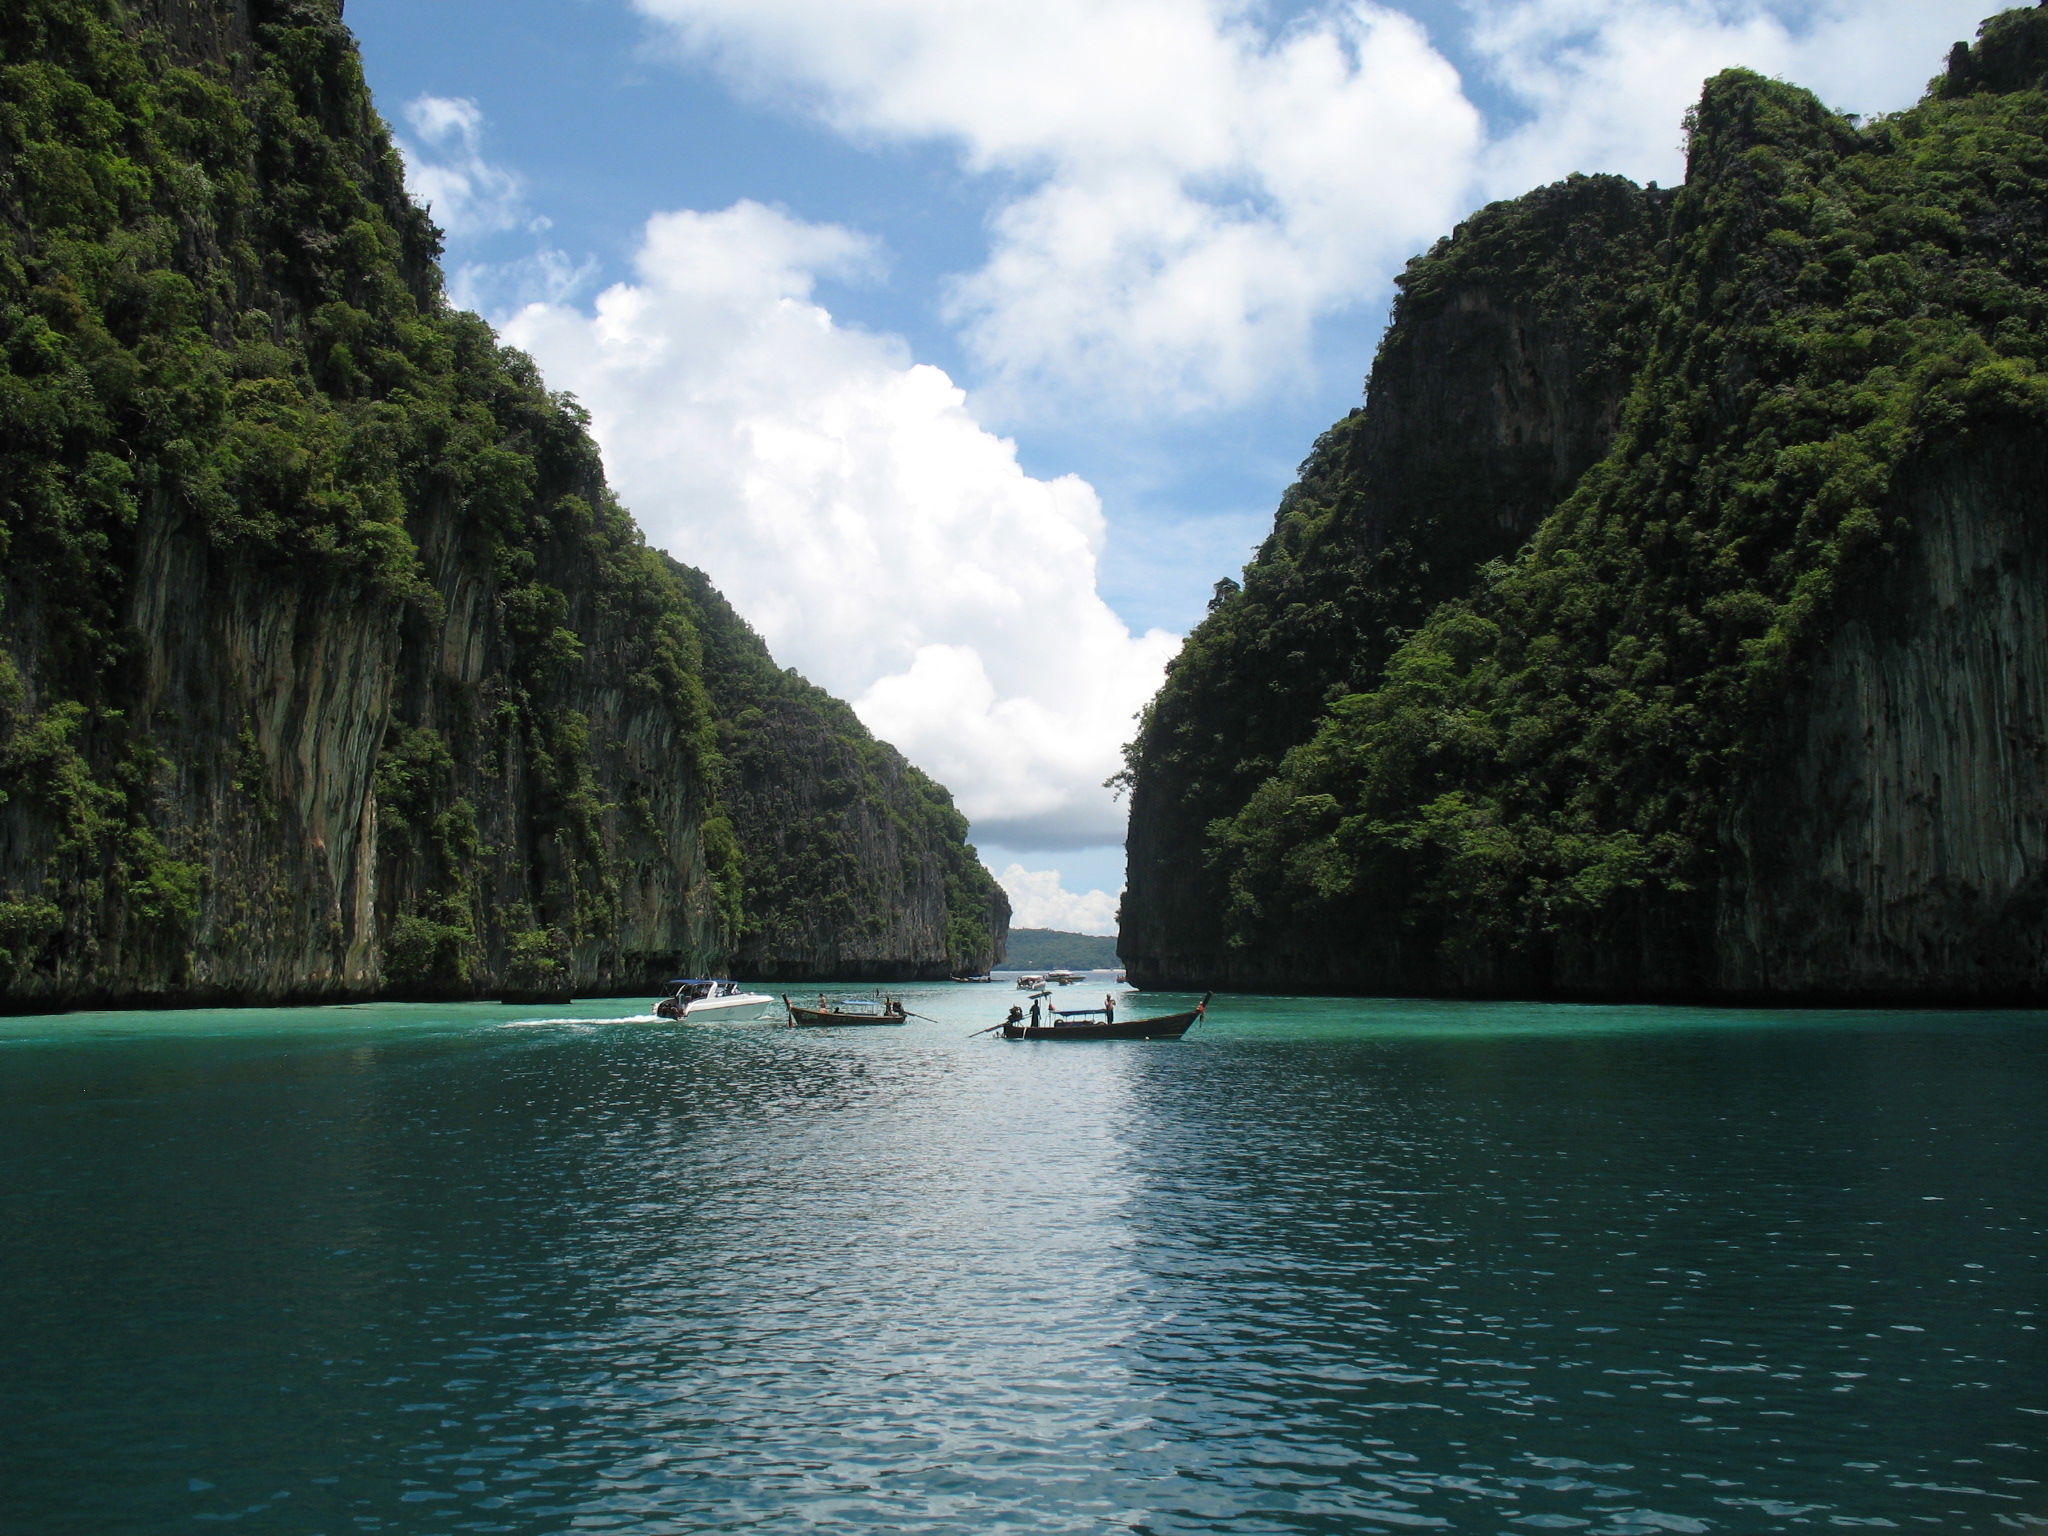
(815, 1018)
(1168, 1026)
(717, 1010)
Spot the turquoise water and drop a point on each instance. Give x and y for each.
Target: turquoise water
(1323, 1266)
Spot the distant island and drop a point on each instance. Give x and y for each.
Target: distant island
(1038, 949)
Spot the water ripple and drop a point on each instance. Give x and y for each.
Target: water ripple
(1327, 1267)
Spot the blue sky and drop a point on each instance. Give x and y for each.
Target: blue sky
(967, 346)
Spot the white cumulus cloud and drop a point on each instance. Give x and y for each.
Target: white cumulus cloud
(1187, 190)
(1179, 193)
(847, 502)
(1038, 899)
(1181, 190)
(543, 276)
(1606, 82)
(446, 169)
(472, 197)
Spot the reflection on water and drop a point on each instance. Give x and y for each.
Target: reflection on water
(1676, 1286)
(1322, 1267)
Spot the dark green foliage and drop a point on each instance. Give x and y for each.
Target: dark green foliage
(2011, 55)
(1545, 761)
(224, 351)
(219, 311)
(1393, 511)
(538, 958)
(138, 383)
(1361, 548)
(813, 797)
(134, 371)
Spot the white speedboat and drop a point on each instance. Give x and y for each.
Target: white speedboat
(696, 997)
(1030, 983)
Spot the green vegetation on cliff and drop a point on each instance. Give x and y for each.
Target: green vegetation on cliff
(833, 857)
(1549, 763)
(1496, 385)
(265, 498)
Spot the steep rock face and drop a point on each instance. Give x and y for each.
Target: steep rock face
(1755, 712)
(329, 667)
(1499, 381)
(268, 708)
(1896, 844)
(856, 863)
(866, 892)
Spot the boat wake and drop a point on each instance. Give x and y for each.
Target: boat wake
(631, 1018)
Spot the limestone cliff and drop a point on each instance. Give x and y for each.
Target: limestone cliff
(329, 667)
(1499, 381)
(1744, 702)
(1895, 839)
(858, 865)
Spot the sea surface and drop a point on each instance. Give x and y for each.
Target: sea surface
(1322, 1266)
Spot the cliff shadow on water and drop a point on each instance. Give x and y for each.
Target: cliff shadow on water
(1672, 629)
(329, 665)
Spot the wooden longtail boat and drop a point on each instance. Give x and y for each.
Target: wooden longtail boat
(846, 1010)
(1167, 1026)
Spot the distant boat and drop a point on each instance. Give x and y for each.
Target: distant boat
(698, 997)
(1030, 982)
(984, 976)
(1066, 978)
(1167, 1026)
(847, 1010)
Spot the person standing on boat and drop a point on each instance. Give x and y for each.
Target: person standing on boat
(1034, 1013)
(1108, 1009)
